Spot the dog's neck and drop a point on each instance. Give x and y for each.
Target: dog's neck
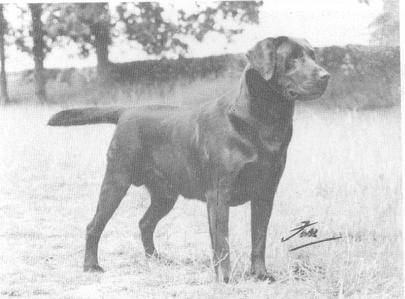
(261, 101)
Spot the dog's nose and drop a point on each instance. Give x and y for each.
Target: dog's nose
(324, 75)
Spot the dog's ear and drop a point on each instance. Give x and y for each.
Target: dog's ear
(262, 57)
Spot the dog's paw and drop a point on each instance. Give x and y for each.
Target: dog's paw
(153, 254)
(93, 268)
(264, 277)
(160, 258)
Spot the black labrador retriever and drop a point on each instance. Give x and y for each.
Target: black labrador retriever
(226, 152)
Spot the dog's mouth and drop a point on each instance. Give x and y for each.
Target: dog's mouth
(292, 94)
(306, 95)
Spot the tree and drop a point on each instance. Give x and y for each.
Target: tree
(86, 24)
(386, 25)
(4, 98)
(206, 20)
(144, 23)
(90, 25)
(97, 17)
(38, 51)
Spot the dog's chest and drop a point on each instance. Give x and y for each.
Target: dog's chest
(272, 141)
(259, 177)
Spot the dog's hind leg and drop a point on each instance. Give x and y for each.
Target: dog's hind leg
(161, 204)
(114, 187)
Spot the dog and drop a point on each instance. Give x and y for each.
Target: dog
(225, 152)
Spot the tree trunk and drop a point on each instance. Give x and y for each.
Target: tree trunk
(4, 99)
(101, 32)
(101, 40)
(38, 51)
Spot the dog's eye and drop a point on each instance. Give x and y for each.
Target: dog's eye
(289, 64)
(297, 53)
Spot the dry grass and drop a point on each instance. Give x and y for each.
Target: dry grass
(343, 170)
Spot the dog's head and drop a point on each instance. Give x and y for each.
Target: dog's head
(289, 64)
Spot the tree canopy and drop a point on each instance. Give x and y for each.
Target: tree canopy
(386, 25)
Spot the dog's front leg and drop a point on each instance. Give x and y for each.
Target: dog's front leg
(260, 216)
(218, 218)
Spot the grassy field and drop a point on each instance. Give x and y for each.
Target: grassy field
(343, 170)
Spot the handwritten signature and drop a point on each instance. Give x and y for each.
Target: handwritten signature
(303, 231)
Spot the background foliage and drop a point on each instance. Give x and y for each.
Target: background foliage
(362, 77)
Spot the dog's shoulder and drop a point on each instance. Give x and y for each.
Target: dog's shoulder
(223, 144)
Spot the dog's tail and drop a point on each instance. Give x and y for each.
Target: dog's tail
(85, 116)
